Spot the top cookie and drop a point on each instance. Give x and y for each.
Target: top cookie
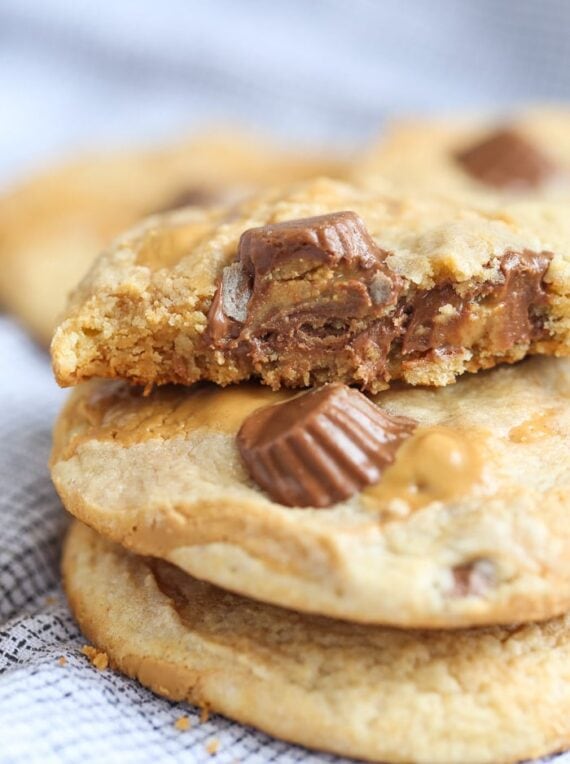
(526, 156)
(54, 225)
(318, 282)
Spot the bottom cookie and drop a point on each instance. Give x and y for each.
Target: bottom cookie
(492, 695)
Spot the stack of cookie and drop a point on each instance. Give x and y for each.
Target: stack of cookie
(319, 451)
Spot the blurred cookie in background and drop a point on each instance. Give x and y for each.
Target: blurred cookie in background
(525, 155)
(54, 224)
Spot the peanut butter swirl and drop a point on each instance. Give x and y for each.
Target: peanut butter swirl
(435, 464)
(320, 447)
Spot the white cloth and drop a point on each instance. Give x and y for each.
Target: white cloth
(83, 73)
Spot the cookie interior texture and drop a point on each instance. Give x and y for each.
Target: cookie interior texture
(423, 153)
(432, 310)
(492, 695)
(54, 225)
(432, 544)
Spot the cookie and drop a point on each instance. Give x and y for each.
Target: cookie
(486, 696)
(54, 225)
(523, 156)
(469, 525)
(323, 281)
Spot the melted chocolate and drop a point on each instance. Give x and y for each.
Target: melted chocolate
(440, 317)
(320, 447)
(516, 303)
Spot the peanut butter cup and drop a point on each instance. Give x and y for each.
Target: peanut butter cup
(505, 159)
(306, 283)
(320, 447)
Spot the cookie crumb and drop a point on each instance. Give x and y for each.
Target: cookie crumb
(101, 661)
(182, 724)
(51, 600)
(213, 746)
(62, 661)
(204, 715)
(98, 658)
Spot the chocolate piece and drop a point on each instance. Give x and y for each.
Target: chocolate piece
(314, 283)
(511, 309)
(320, 447)
(473, 579)
(516, 303)
(219, 325)
(192, 196)
(506, 160)
(292, 248)
(318, 276)
(236, 292)
(436, 321)
(313, 299)
(228, 310)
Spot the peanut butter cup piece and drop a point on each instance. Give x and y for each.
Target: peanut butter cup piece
(295, 247)
(301, 289)
(506, 160)
(314, 279)
(320, 447)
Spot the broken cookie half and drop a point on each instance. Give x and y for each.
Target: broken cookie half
(322, 282)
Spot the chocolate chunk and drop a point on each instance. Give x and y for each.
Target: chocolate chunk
(229, 306)
(380, 288)
(236, 292)
(440, 318)
(516, 303)
(294, 247)
(192, 196)
(315, 279)
(436, 321)
(320, 447)
(506, 160)
(219, 325)
(473, 579)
